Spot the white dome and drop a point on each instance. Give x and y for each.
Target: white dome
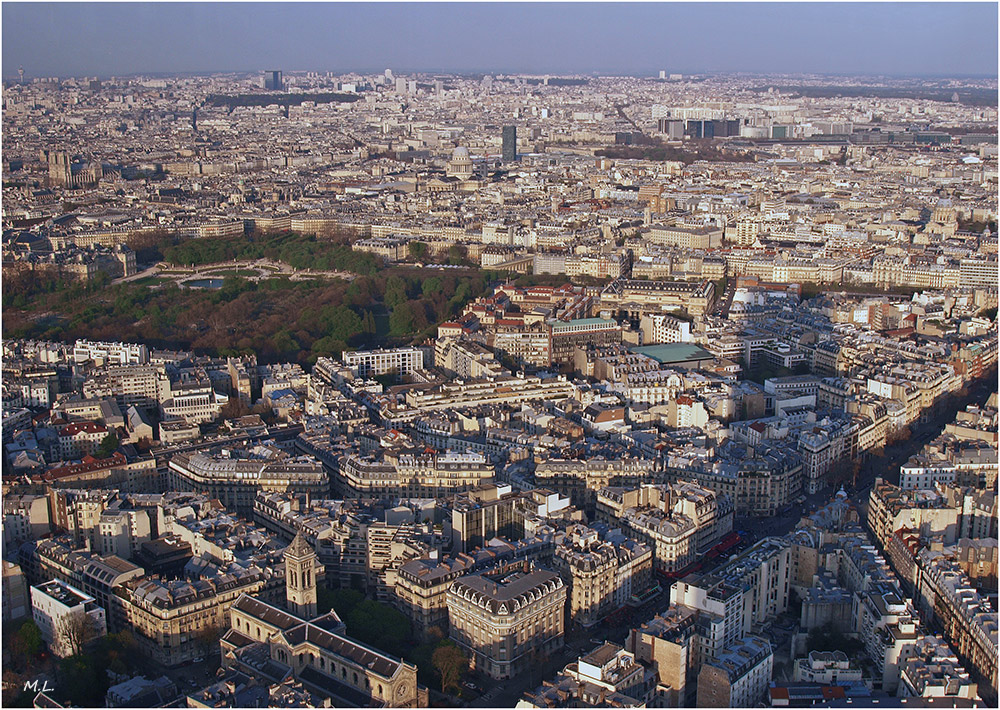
(460, 153)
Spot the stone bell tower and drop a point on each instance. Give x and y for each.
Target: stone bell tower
(300, 578)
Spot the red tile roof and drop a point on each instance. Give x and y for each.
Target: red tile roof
(87, 465)
(87, 427)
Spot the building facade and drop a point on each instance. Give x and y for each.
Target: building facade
(507, 620)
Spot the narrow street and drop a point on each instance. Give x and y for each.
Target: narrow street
(885, 466)
(580, 641)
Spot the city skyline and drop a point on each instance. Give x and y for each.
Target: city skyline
(889, 39)
(510, 356)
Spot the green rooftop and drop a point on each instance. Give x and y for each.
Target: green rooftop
(673, 352)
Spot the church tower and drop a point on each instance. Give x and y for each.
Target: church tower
(300, 578)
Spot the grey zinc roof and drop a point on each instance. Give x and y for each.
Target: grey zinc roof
(494, 594)
(267, 613)
(296, 631)
(299, 547)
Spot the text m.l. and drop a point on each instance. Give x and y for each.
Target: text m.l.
(33, 685)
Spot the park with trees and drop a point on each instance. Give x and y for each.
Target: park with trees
(277, 319)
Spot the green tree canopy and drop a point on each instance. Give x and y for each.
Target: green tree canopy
(108, 445)
(457, 254)
(417, 250)
(401, 319)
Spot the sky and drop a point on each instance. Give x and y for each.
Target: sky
(896, 39)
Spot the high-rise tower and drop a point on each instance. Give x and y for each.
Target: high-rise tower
(300, 578)
(273, 80)
(509, 152)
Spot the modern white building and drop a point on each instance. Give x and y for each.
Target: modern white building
(978, 272)
(826, 668)
(369, 363)
(67, 618)
(111, 353)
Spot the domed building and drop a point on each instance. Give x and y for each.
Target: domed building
(460, 165)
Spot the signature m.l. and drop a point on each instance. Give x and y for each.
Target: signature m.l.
(33, 685)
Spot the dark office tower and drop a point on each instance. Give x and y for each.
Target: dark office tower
(194, 120)
(509, 144)
(272, 80)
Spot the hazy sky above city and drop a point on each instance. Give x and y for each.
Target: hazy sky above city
(81, 39)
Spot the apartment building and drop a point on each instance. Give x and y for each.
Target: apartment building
(668, 644)
(886, 624)
(390, 546)
(121, 531)
(16, 597)
(492, 390)
(568, 335)
(234, 477)
(80, 439)
(738, 677)
(608, 676)
(934, 672)
(711, 513)
(193, 400)
(525, 345)
(422, 590)
(100, 577)
(78, 511)
(637, 297)
(685, 237)
(826, 668)
(663, 328)
(412, 473)
(507, 620)
(582, 479)
(750, 589)
(978, 272)
(484, 513)
(600, 577)
(890, 509)
(25, 517)
(167, 616)
(967, 621)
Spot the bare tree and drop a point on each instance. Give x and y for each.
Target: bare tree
(208, 637)
(75, 631)
(450, 663)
